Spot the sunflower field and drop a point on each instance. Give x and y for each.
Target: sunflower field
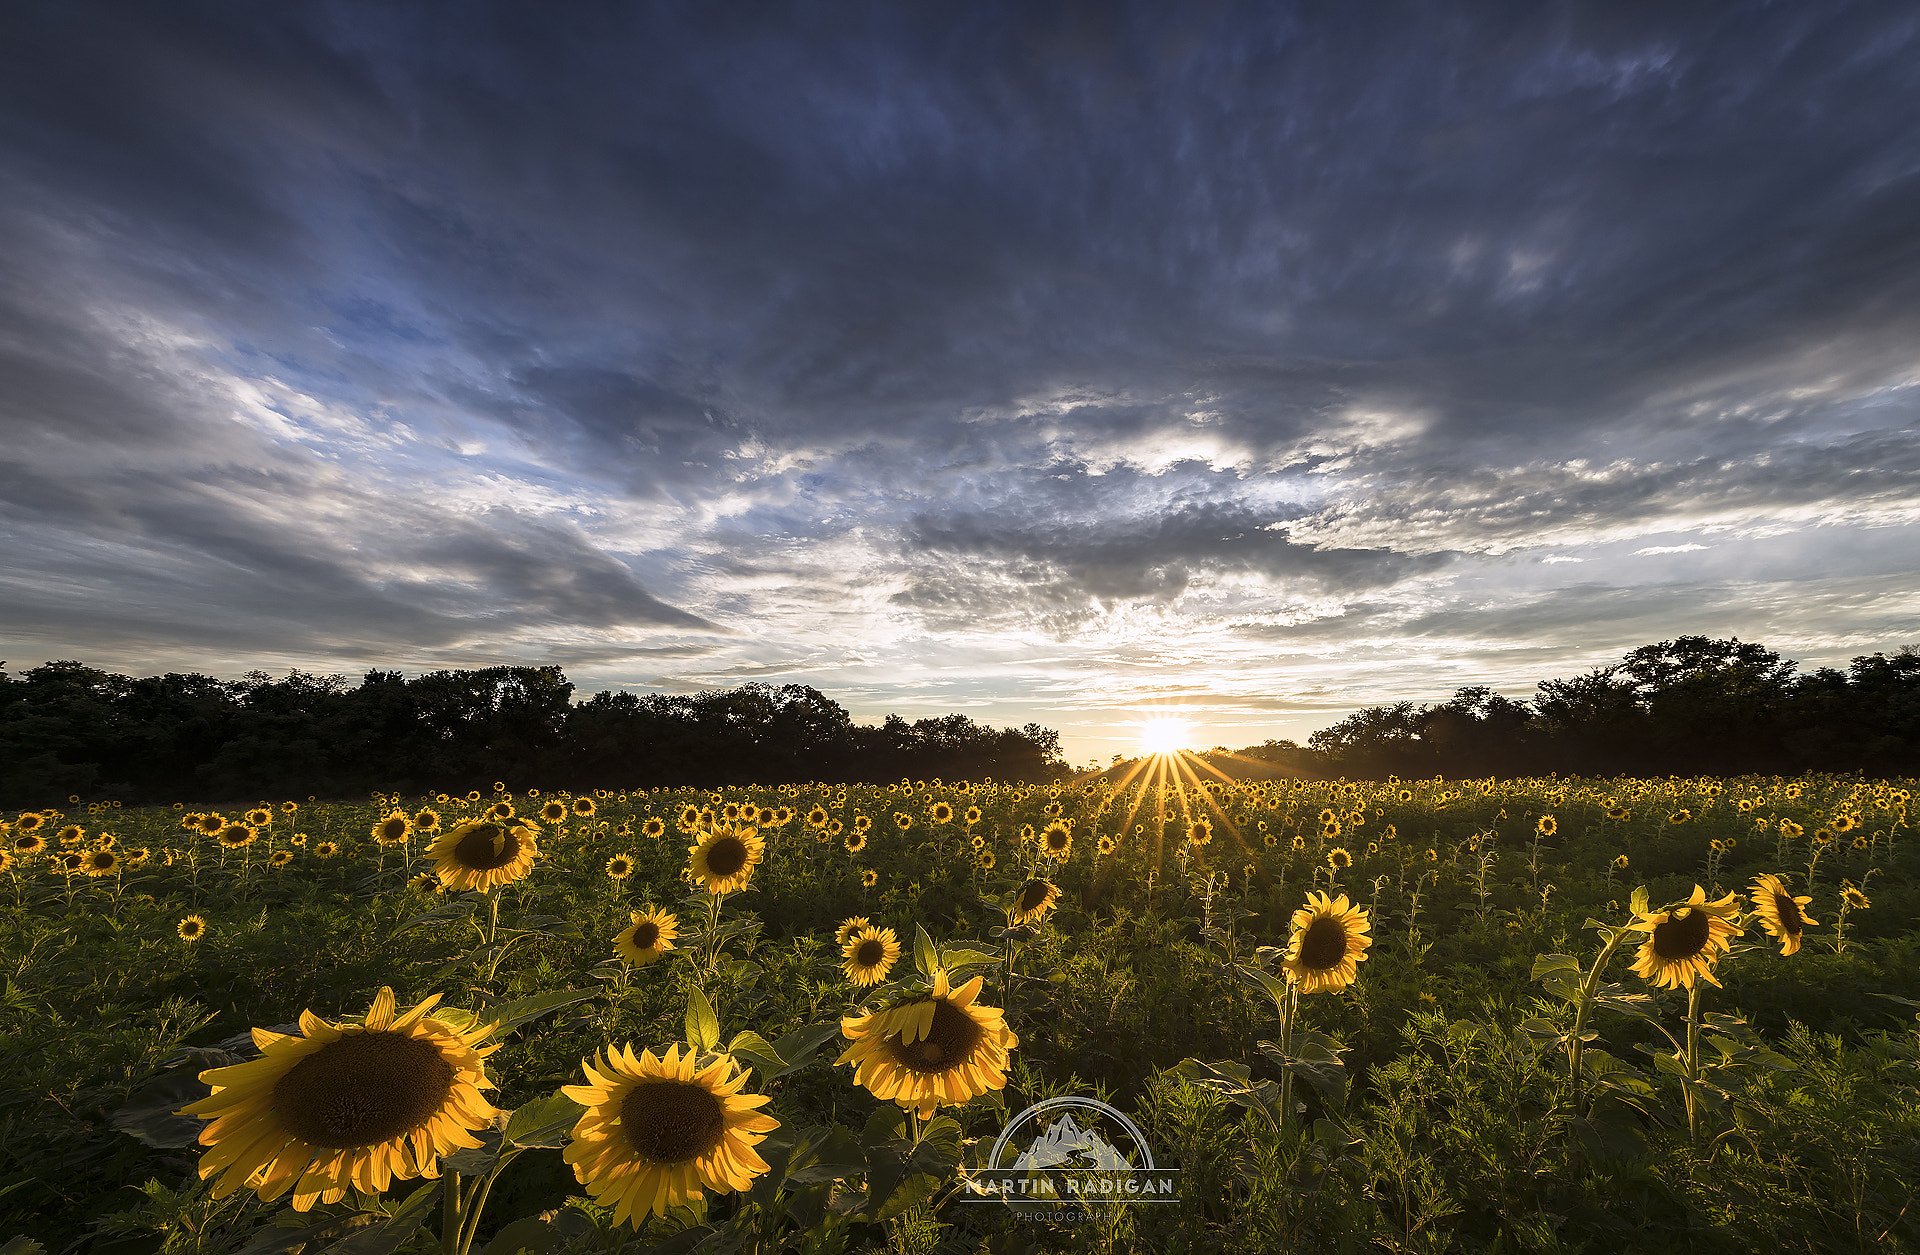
(1430, 1015)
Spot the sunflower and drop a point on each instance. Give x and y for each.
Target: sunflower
(1105, 845)
(73, 834)
(1844, 823)
(236, 836)
(192, 928)
(288, 808)
(211, 824)
(1329, 943)
(862, 822)
(345, 1105)
(1547, 826)
(25, 843)
(1034, 900)
(138, 855)
(424, 882)
(6, 861)
(1855, 900)
(29, 822)
(655, 827)
(856, 843)
(1339, 859)
(934, 1050)
(1299, 842)
(987, 861)
(554, 812)
(481, 854)
(1056, 840)
(583, 807)
(325, 849)
(972, 816)
(940, 813)
(1681, 943)
(1679, 817)
(902, 820)
(724, 858)
(657, 1133)
(426, 820)
(650, 935)
(393, 829)
(869, 878)
(619, 867)
(1027, 833)
(1199, 832)
(280, 858)
(1779, 912)
(500, 812)
(1619, 862)
(869, 955)
(1405, 795)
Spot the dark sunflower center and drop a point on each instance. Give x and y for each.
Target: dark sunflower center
(644, 935)
(394, 829)
(102, 859)
(487, 847)
(1324, 944)
(870, 952)
(727, 856)
(1791, 921)
(673, 1121)
(363, 1089)
(1055, 840)
(950, 1042)
(1034, 895)
(1682, 935)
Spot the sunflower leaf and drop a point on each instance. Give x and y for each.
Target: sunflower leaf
(1267, 983)
(539, 1123)
(703, 1026)
(799, 1046)
(511, 1015)
(1637, 902)
(1315, 1060)
(925, 956)
(757, 1053)
(959, 958)
(388, 1236)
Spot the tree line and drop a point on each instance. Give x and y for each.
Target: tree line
(1691, 706)
(67, 729)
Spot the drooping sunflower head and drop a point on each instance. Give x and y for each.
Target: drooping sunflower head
(483, 854)
(392, 829)
(724, 858)
(1854, 899)
(934, 1050)
(1619, 862)
(1329, 943)
(619, 867)
(1034, 900)
(1056, 840)
(1679, 817)
(650, 935)
(1619, 813)
(869, 955)
(345, 1105)
(1779, 912)
(1684, 942)
(657, 1133)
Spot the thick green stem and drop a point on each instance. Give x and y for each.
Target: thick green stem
(1693, 1059)
(1574, 1044)
(1287, 1013)
(477, 1203)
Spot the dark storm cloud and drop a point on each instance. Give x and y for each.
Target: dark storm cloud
(465, 328)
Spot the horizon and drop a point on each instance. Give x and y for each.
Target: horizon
(1044, 363)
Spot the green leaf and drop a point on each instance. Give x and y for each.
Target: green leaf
(511, 1015)
(1546, 963)
(1267, 983)
(925, 956)
(530, 1235)
(22, 1246)
(541, 1122)
(754, 1049)
(1617, 997)
(1542, 1034)
(545, 926)
(1637, 901)
(388, 1236)
(703, 1026)
(278, 1241)
(799, 1046)
(1314, 1060)
(960, 958)
(1235, 1081)
(453, 911)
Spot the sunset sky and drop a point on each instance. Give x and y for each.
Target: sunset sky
(1059, 363)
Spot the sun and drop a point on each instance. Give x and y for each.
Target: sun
(1165, 735)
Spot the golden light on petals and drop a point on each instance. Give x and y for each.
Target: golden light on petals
(658, 1133)
(650, 935)
(1329, 943)
(943, 1049)
(345, 1106)
(1683, 943)
(484, 853)
(1779, 912)
(869, 955)
(1034, 900)
(722, 861)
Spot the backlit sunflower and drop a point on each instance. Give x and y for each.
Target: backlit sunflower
(1339, 859)
(424, 882)
(650, 935)
(258, 817)
(345, 1106)
(935, 1050)
(236, 836)
(1681, 944)
(655, 827)
(25, 843)
(869, 955)
(583, 807)
(1329, 943)
(500, 812)
(192, 928)
(1779, 912)
(1034, 900)
(619, 867)
(280, 858)
(869, 878)
(325, 849)
(481, 854)
(657, 1133)
(724, 858)
(856, 843)
(1056, 840)
(554, 812)
(1199, 832)
(392, 829)
(426, 820)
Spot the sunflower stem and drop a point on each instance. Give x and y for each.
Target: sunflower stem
(1574, 1043)
(477, 1203)
(1287, 1011)
(1693, 1059)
